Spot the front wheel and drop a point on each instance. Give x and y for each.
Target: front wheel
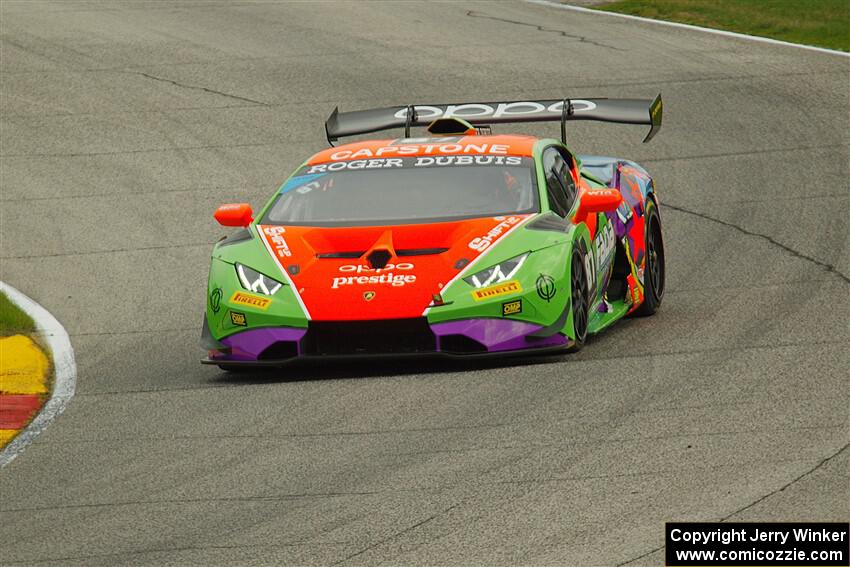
(579, 300)
(655, 269)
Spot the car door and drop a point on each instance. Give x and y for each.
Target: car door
(562, 192)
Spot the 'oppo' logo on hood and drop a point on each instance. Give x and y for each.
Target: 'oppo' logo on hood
(362, 268)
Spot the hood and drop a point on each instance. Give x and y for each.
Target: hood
(388, 272)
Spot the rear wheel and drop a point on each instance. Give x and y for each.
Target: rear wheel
(579, 301)
(655, 269)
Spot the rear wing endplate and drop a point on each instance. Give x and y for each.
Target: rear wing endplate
(619, 110)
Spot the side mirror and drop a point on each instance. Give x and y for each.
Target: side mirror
(234, 214)
(597, 201)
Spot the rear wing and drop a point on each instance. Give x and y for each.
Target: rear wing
(622, 110)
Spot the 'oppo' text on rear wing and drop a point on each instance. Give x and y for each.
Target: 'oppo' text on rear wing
(623, 111)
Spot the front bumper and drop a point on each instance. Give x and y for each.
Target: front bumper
(394, 337)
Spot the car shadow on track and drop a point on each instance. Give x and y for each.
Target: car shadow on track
(331, 369)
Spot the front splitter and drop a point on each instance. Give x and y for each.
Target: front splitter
(499, 337)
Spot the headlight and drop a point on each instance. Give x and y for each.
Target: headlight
(498, 273)
(252, 280)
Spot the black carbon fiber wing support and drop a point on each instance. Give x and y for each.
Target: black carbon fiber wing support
(619, 110)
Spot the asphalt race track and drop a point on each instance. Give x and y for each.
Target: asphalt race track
(125, 125)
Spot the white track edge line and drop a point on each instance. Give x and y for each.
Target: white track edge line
(64, 371)
(570, 7)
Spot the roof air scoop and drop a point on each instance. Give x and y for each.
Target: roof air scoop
(379, 258)
(451, 127)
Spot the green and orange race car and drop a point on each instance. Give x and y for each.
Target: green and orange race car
(458, 243)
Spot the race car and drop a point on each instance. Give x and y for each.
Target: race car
(459, 242)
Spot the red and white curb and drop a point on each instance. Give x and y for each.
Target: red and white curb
(570, 7)
(64, 371)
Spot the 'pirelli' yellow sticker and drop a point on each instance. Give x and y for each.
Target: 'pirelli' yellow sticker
(250, 300)
(497, 290)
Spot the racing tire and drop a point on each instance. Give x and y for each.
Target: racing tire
(655, 270)
(579, 300)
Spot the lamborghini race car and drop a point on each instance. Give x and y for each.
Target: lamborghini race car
(458, 243)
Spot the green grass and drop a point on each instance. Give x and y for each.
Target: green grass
(824, 23)
(13, 321)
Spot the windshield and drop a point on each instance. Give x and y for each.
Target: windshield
(413, 190)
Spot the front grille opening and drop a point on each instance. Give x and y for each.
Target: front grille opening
(393, 336)
(379, 258)
(460, 344)
(279, 351)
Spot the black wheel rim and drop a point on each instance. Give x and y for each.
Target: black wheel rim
(655, 259)
(579, 298)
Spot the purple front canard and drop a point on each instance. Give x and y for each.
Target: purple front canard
(499, 334)
(248, 345)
